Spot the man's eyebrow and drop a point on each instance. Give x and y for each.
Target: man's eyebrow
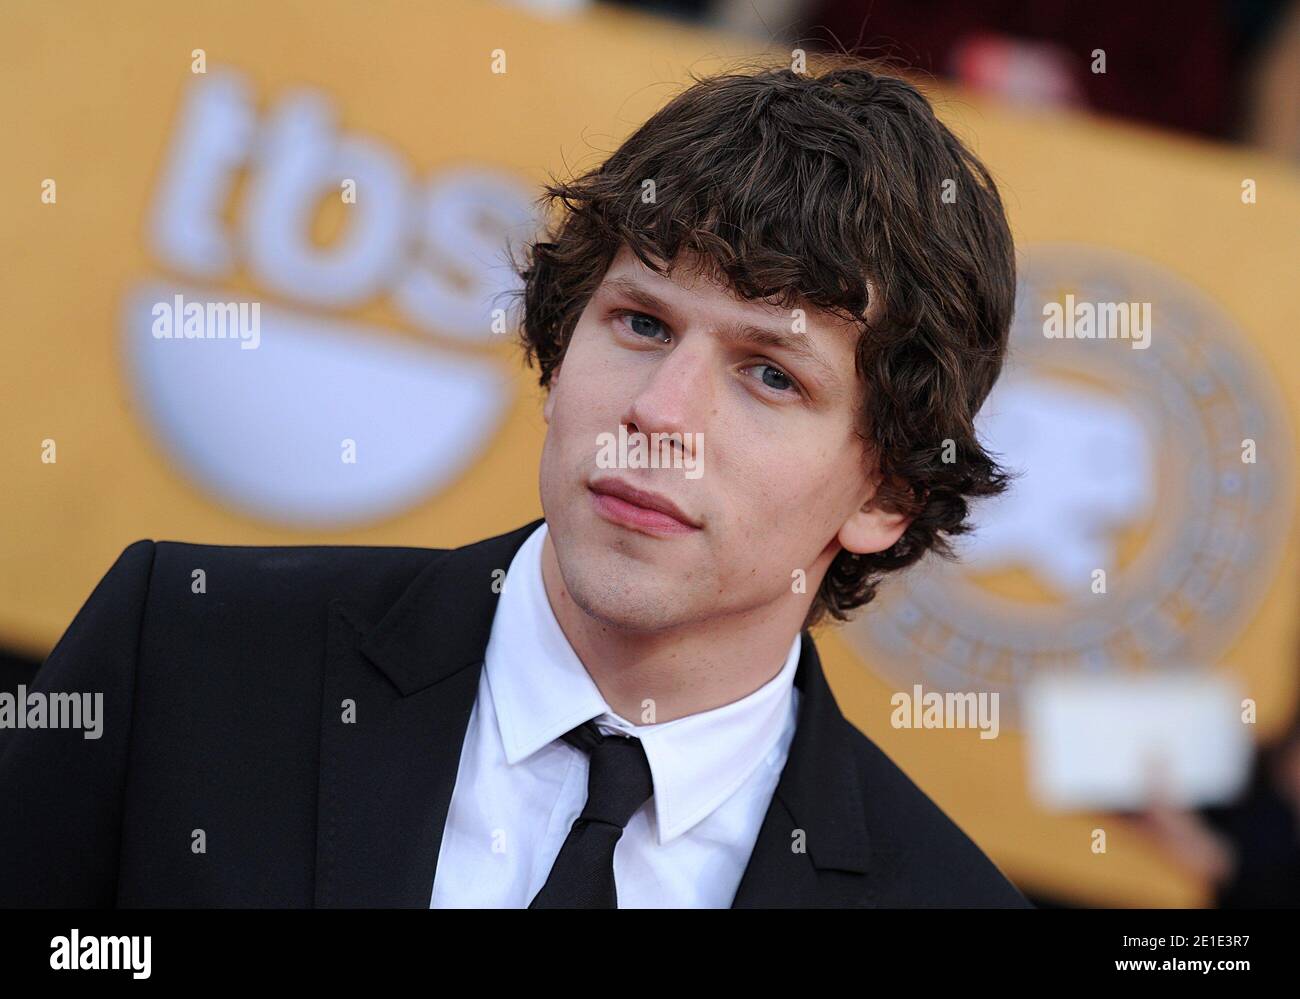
(798, 344)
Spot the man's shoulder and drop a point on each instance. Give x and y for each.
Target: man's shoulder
(920, 856)
(308, 561)
(369, 577)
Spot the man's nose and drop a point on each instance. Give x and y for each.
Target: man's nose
(677, 392)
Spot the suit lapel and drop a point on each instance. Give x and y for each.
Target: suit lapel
(813, 848)
(387, 772)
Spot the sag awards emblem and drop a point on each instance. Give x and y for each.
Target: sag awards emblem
(1152, 456)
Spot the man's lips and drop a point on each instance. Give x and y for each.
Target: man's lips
(652, 513)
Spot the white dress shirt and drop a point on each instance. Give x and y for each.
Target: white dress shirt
(519, 786)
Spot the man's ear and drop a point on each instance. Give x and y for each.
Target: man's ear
(871, 528)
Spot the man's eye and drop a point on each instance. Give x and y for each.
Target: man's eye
(781, 381)
(643, 325)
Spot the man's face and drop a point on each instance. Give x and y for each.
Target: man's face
(779, 472)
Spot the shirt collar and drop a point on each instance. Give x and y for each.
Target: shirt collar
(540, 690)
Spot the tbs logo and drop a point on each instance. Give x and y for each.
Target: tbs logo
(332, 420)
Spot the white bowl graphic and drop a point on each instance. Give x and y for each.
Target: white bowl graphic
(265, 429)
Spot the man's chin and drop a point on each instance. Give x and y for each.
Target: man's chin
(630, 614)
(627, 597)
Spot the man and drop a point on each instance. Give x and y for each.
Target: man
(794, 291)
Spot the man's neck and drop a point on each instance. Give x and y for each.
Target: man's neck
(651, 677)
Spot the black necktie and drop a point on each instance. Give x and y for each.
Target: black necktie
(618, 783)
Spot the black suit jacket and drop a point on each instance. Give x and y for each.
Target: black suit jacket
(224, 728)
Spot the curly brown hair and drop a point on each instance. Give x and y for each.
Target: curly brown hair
(836, 186)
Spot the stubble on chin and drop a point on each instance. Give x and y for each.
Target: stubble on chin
(614, 592)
